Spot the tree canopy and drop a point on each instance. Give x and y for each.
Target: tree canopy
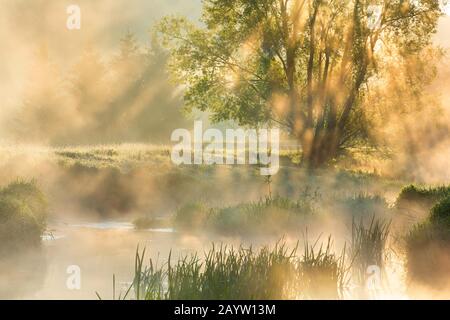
(305, 65)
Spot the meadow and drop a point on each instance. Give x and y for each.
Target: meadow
(334, 233)
(355, 92)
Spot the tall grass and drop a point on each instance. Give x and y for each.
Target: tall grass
(368, 248)
(323, 275)
(242, 273)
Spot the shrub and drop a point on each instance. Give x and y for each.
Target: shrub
(275, 215)
(31, 195)
(192, 216)
(424, 197)
(147, 222)
(23, 212)
(364, 204)
(272, 215)
(440, 213)
(428, 248)
(428, 255)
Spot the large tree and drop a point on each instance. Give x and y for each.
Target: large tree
(303, 64)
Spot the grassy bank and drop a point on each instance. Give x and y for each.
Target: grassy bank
(428, 248)
(272, 215)
(23, 213)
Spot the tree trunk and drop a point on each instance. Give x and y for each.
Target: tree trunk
(321, 149)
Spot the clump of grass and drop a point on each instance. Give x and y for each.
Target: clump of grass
(368, 248)
(428, 248)
(362, 204)
(224, 273)
(271, 215)
(244, 274)
(148, 282)
(350, 178)
(149, 221)
(424, 197)
(23, 213)
(192, 216)
(440, 213)
(249, 274)
(323, 275)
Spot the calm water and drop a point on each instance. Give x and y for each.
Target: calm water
(99, 249)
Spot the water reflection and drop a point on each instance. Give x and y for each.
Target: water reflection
(22, 274)
(100, 249)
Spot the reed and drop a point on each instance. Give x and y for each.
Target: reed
(229, 273)
(368, 248)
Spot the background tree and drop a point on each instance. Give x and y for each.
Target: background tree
(89, 88)
(407, 110)
(143, 106)
(100, 98)
(305, 65)
(43, 108)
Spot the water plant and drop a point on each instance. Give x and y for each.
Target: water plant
(368, 248)
(242, 273)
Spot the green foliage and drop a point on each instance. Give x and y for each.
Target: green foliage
(243, 274)
(275, 215)
(192, 216)
(368, 247)
(428, 247)
(323, 274)
(424, 197)
(440, 213)
(148, 222)
(363, 204)
(303, 67)
(435, 228)
(23, 213)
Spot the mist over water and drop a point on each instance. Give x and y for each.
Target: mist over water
(88, 115)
